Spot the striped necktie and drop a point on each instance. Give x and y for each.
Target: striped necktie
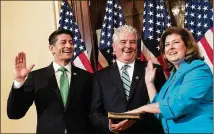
(64, 85)
(126, 80)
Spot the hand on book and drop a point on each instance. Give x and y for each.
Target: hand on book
(120, 126)
(135, 111)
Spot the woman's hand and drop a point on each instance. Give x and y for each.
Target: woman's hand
(136, 111)
(148, 108)
(150, 73)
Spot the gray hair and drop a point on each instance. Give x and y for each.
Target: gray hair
(123, 28)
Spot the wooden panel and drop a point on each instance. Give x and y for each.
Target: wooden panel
(134, 14)
(97, 11)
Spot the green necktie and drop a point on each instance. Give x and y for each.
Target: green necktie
(64, 85)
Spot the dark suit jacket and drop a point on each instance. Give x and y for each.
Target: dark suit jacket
(108, 96)
(52, 117)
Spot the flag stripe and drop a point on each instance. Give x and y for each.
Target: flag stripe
(99, 67)
(142, 57)
(163, 63)
(207, 48)
(147, 54)
(203, 53)
(84, 59)
(102, 62)
(78, 62)
(209, 38)
(211, 29)
(199, 21)
(67, 21)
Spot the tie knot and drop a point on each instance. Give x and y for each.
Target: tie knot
(125, 67)
(62, 69)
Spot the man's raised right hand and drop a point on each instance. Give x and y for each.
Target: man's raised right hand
(20, 69)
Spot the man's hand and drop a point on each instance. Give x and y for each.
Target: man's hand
(20, 70)
(121, 126)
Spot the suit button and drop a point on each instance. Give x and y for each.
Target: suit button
(166, 129)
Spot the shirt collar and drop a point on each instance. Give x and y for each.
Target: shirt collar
(57, 66)
(121, 64)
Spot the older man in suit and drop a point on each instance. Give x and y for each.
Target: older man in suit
(60, 91)
(121, 87)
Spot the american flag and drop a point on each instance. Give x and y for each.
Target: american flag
(155, 20)
(113, 18)
(67, 21)
(199, 21)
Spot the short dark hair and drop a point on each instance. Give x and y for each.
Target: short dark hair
(53, 37)
(192, 52)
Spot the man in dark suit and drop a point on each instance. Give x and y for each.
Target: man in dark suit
(121, 87)
(60, 91)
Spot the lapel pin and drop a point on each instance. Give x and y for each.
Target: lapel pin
(136, 77)
(74, 73)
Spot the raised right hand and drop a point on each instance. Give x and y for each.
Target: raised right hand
(20, 69)
(150, 73)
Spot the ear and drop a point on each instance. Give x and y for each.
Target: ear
(113, 46)
(51, 48)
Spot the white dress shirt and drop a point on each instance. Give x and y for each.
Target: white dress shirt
(58, 73)
(130, 69)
